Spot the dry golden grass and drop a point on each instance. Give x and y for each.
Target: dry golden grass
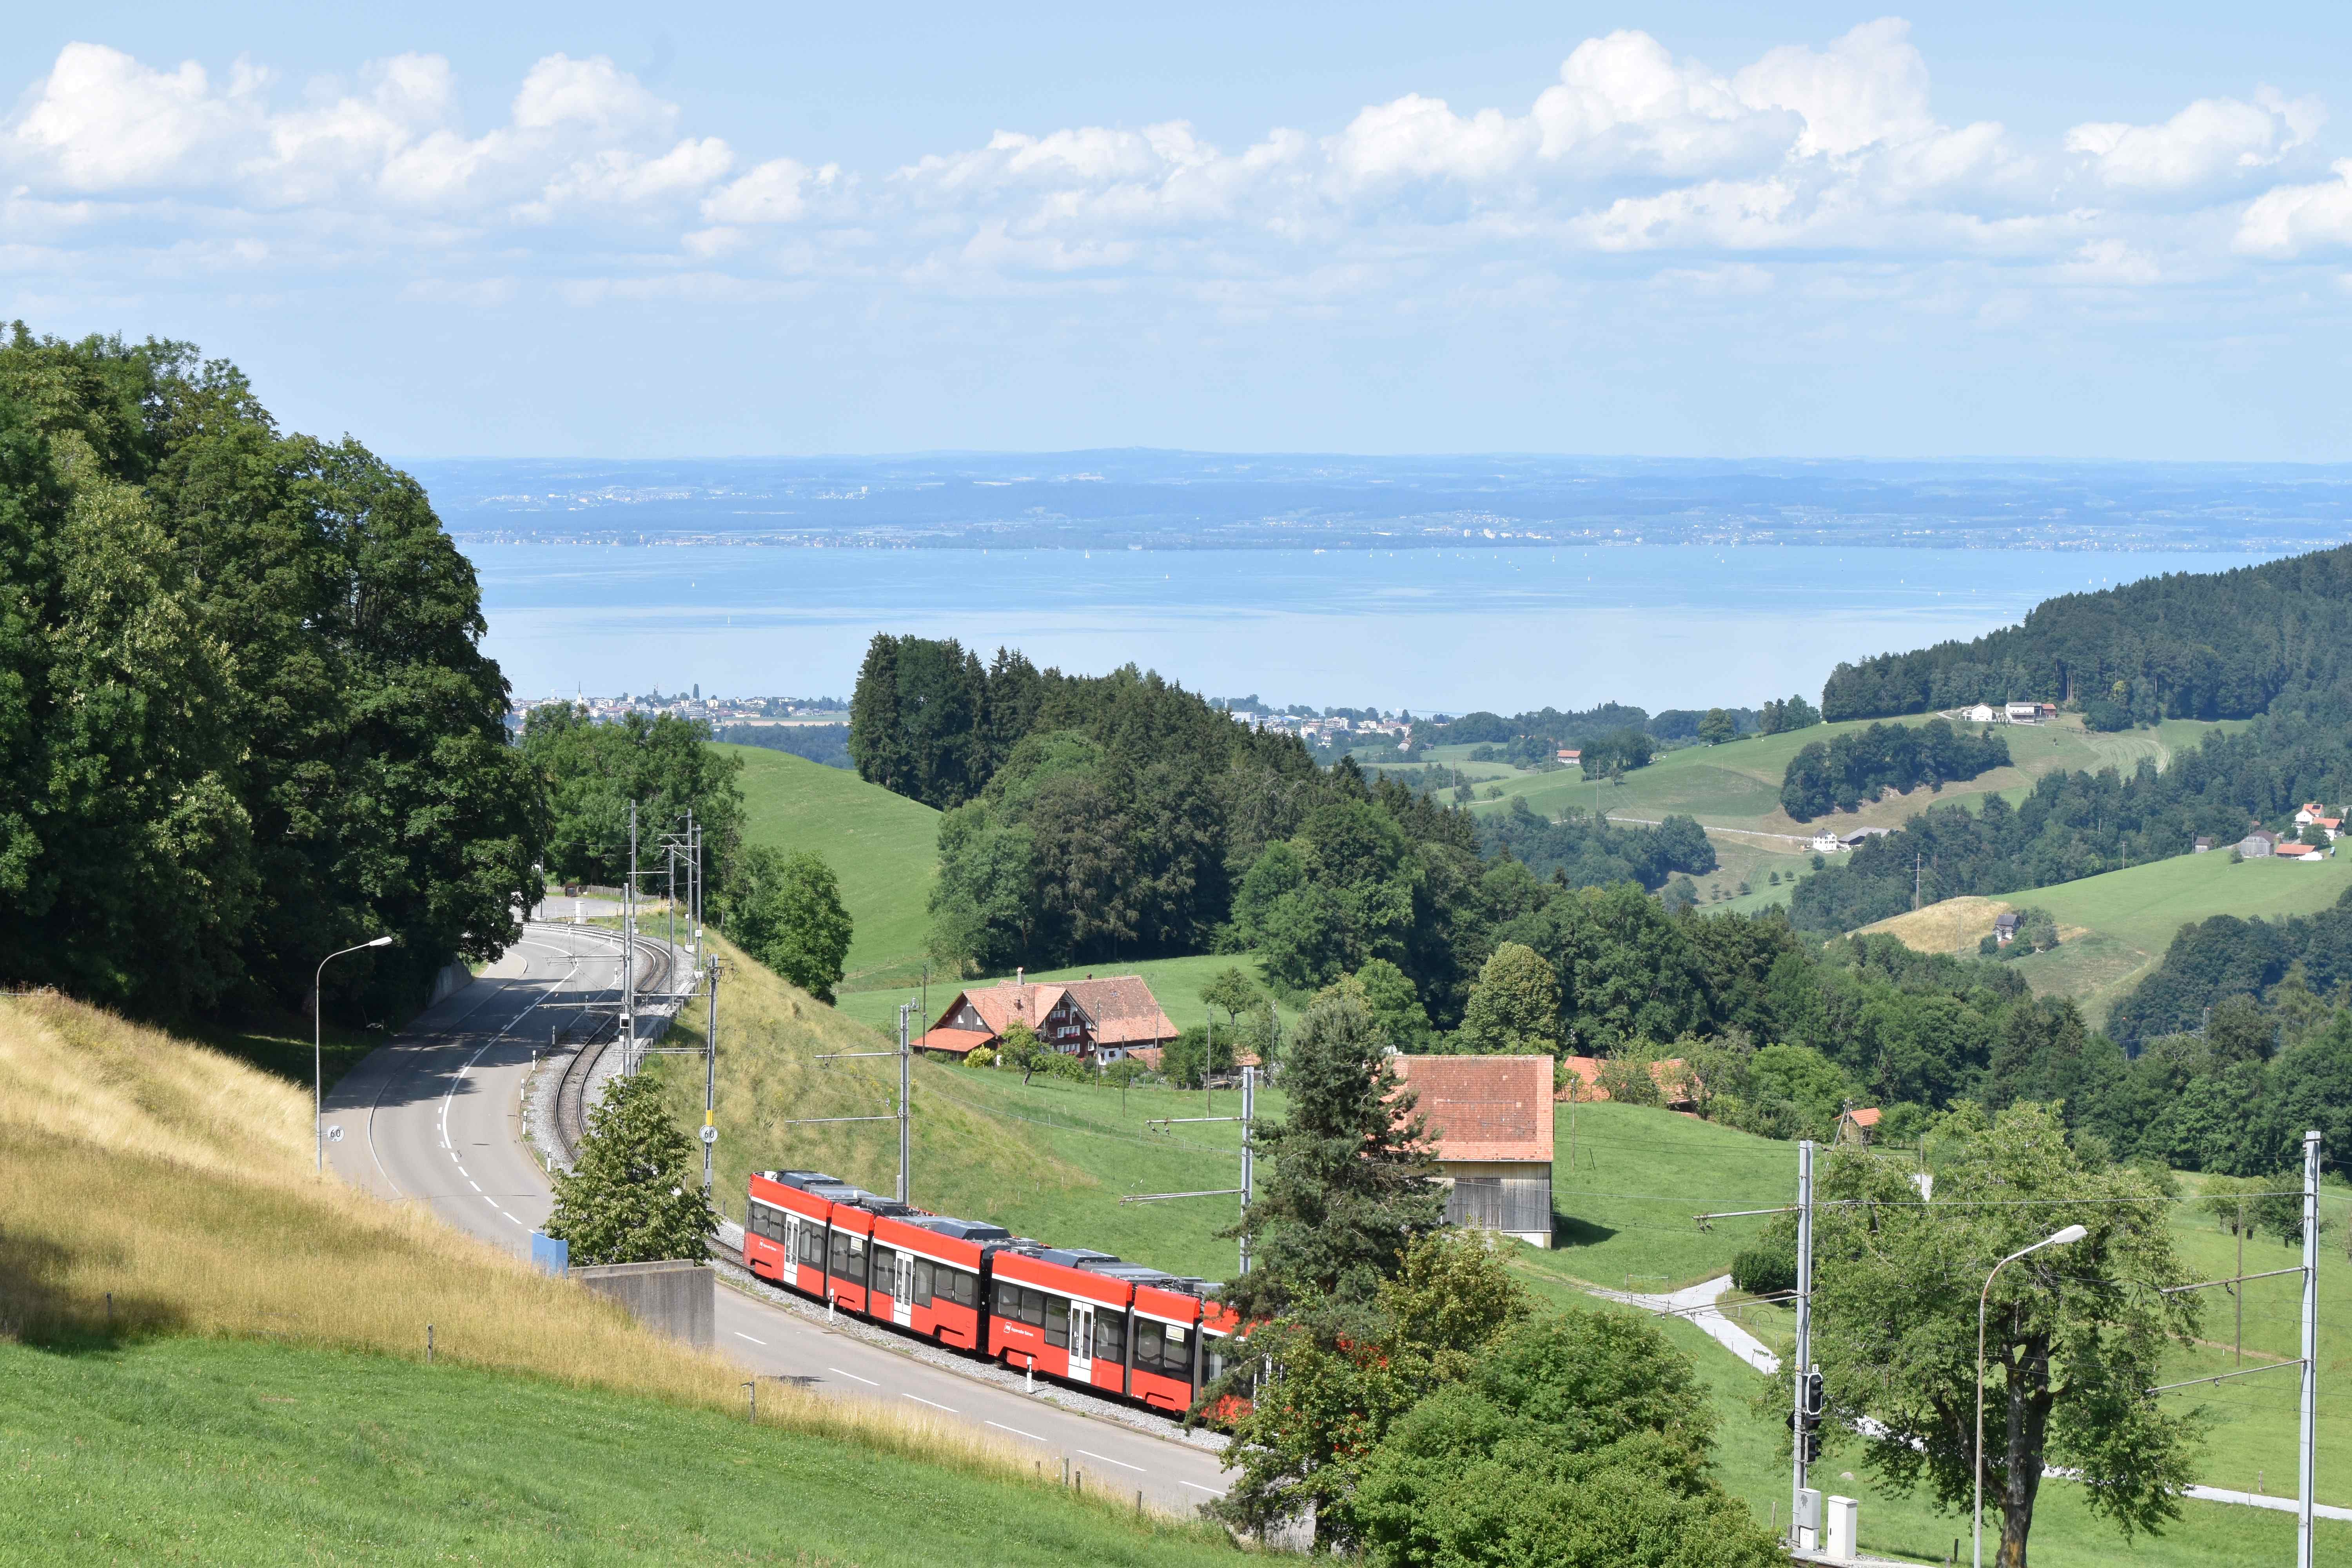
(771, 1035)
(180, 1181)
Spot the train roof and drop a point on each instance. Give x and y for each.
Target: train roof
(962, 1229)
(804, 1179)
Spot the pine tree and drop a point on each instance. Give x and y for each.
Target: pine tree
(1351, 1180)
(631, 1196)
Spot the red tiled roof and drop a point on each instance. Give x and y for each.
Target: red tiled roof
(1124, 1011)
(961, 1042)
(1865, 1116)
(1483, 1108)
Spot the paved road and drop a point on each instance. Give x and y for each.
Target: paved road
(434, 1118)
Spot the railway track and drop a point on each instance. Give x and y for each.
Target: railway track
(579, 1069)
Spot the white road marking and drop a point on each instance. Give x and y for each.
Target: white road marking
(472, 1183)
(932, 1403)
(1198, 1488)
(741, 1335)
(1106, 1459)
(1014, 1430)
(854, 1378)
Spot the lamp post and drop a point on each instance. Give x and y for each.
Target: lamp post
(318, 1050)
(2066, 1238)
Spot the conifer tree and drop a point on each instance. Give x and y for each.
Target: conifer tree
(1351, 1178)
(632, 1195)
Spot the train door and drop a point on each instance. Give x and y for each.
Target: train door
(791, 1272)
(902, 1291)
(1082, 1341)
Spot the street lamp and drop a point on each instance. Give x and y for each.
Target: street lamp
(318, 1046)
(2066, 1238)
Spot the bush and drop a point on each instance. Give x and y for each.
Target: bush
(1627, 1080)
(980, 1057)
(1769, 1267)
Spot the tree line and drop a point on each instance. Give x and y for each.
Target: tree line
(2075, 825)
(1863, 764)
(2224, 645)
(244, 715)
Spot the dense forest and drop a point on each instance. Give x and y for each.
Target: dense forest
(2223, 956)
(2079, 825)
(245, 716)
(1585, 851)
(2228, 645)
(1863, 764)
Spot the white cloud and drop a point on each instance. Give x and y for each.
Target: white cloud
(2285, 222)
(2208, 141)
(1807, 155)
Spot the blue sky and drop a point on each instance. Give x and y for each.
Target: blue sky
(1693, 229)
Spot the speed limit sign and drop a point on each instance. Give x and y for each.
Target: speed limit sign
(710, 1134)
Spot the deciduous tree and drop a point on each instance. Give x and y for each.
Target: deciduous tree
(786, 911)
(635, 1193)
(2075, 1334)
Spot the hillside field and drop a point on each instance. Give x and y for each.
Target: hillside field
(2113, 927)
(207, 1354)
(882, 846)
(1734, 790)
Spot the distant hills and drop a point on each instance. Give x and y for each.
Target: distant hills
(1170, 500)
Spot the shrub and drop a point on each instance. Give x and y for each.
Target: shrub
(980, 1057)
(1627, 1081)
(1766, 1267)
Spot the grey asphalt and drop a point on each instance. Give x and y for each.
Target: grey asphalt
(435, 1118)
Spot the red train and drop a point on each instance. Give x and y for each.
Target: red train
(1065, 1312)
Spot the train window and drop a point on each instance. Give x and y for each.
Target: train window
(1110, 1336)
(922, 1281)
(1057, 1321)
(1146, 1345)
(1008, 1299)
(883, 1266)
(956, 1285)
(812, 1243)
(1213, 1347)
(840, 1264)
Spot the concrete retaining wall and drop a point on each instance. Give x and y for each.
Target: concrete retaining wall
(454, 977)
(674, 1298)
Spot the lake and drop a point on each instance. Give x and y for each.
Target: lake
(1427, 629)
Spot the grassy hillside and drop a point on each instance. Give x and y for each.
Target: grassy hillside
(1051, 1160)
(300, 1424)
(233, 1451)
(882, 846)
(1735, 791)
(2115, 927)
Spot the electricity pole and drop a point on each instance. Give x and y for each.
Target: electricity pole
(629, 954)
(1249, 1163)
(1800, 1361)
(710, 1078)
(2308, 1405)
(906, 1125)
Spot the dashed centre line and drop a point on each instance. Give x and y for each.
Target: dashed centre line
(854, 1377)
(936, 1404)
(1106, 1459)
(1014, 1430)
(741, 1335)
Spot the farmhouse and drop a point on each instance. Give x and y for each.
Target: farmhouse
(2004, 928)
(1101, 1020)
(1826, 842)
(2258, 845)
(1490, 1129)
(2022, 713)
(1982, 713)
(2200, 846)
(1570, 756)
(2312, 811)
(2294, 851)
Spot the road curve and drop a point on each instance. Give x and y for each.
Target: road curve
(434, 1118)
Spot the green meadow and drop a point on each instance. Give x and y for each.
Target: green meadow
(884, 848)
(2114, 927)
(1735, 791)
(216, 1450)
